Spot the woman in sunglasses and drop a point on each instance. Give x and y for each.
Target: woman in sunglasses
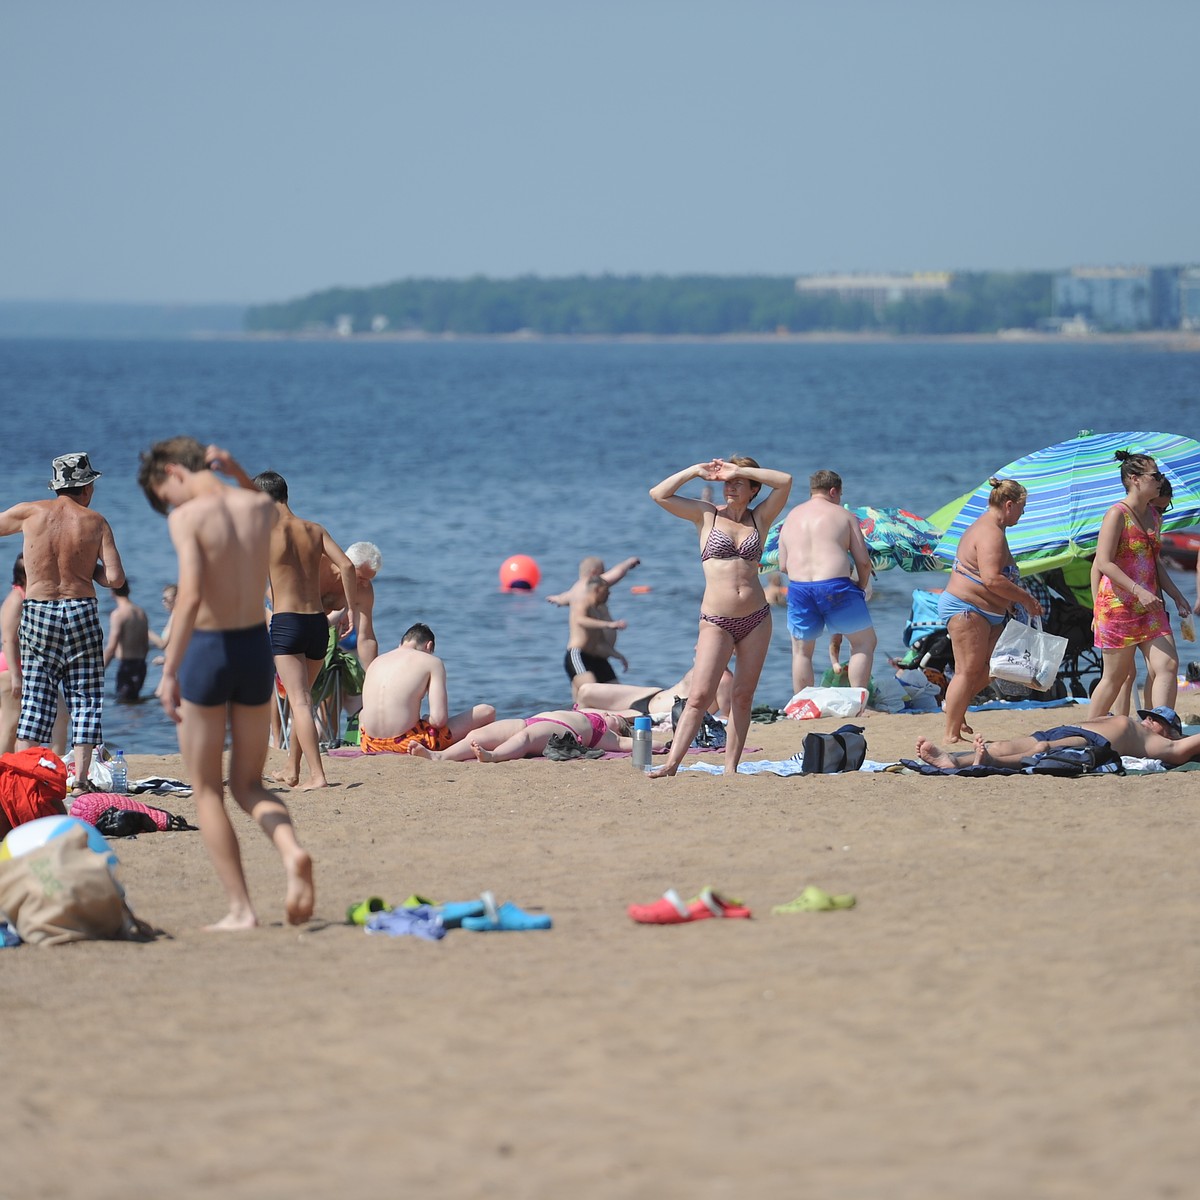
(1130, 611)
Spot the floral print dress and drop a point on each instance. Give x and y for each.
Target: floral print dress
(1120, 620)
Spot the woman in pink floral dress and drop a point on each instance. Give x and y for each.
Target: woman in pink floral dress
(1130, 611)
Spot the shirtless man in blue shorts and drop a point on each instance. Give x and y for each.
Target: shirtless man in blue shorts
(817, 543)
(219, 670)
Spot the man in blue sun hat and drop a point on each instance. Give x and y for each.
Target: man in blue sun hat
(68, 550)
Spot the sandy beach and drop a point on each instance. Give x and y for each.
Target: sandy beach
(1010, 1010)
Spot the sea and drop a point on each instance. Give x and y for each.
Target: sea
(454, 455)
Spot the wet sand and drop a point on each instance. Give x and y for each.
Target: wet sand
(1010, 1010)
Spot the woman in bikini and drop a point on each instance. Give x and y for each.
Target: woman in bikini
(525, 737)
(984, 587)
(735, 617)
(1130, 611)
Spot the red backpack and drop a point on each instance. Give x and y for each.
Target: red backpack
(33, 783)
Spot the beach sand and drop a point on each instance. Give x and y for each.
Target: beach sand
(1010, 1011)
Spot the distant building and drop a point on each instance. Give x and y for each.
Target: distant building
(1189, 298)
(876, 290)
(1120, 298)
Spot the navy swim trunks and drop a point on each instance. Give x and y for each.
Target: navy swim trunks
(228, 666)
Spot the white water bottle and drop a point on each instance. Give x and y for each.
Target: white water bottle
(120, 775)
(643, 744)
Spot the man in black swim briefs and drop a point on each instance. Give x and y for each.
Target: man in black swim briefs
(592, 637)
(299, 627)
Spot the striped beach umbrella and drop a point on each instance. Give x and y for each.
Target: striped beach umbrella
(894, 537)
(1071, 486)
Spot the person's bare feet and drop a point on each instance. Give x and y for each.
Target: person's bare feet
(935, 756)
(301, 896)
(662, 772)
(961, 736)
(419, 751)
(312, 784)
(234, 922)
(481, 754)
(284, 777)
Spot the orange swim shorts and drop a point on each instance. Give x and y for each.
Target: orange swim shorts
(433, 737)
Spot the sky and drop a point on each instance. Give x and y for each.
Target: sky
(257, 150)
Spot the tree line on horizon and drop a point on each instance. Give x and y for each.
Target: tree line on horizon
(658, 305)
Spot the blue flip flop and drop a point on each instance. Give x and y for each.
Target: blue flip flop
(507, 917)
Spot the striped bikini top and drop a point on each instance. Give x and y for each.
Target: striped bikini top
(721, 545)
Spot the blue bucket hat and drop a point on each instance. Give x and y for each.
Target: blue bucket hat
(1168, 716)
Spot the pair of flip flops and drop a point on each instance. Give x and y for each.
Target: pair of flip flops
(483, 915)
(669, 909)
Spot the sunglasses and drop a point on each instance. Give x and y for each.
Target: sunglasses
(1150, 475)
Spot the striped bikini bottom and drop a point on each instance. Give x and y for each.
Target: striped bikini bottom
(739, 627)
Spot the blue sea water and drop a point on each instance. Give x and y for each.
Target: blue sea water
(453, 455)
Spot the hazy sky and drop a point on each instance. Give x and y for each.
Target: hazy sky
(244, 150)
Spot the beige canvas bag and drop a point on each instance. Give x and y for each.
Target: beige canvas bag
(64, 892)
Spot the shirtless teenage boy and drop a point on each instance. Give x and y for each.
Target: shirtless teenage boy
(1158, 733)
(219, 660)
(68, 549)
(395, 685)
(299, 628)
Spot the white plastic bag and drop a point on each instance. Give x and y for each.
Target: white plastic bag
(1027, 655)
(828, 701)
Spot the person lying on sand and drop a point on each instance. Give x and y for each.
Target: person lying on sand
(650, 701)
(1158, 733)
(525, 737)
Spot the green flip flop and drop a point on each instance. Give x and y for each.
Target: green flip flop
(814, 899)
(360, 914)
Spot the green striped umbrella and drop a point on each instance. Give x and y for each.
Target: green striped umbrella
(1071, 486)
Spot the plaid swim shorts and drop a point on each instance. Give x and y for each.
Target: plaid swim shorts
(62, 644)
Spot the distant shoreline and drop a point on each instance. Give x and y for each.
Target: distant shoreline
(1172, 340)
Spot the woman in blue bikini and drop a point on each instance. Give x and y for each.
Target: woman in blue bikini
(735, 618)
(984, 587)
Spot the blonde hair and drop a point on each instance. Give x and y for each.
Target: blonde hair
(1005, 490)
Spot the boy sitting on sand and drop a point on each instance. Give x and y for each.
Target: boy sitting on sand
(219, 655)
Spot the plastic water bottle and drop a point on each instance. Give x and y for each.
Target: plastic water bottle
(643, 744)
(120, 775)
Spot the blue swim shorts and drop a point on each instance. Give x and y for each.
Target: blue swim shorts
(951, 606)
(224, 666)
(838, 605)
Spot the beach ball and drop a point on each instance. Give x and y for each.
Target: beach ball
(34, 834)
(519, 574)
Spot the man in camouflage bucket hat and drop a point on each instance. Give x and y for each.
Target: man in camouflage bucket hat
(68, 549)
(72, 471)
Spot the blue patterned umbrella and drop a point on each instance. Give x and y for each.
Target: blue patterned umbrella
(895, 538)
(1071, 486)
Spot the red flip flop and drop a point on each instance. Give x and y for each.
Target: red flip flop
(712, 904)
(669, 910)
